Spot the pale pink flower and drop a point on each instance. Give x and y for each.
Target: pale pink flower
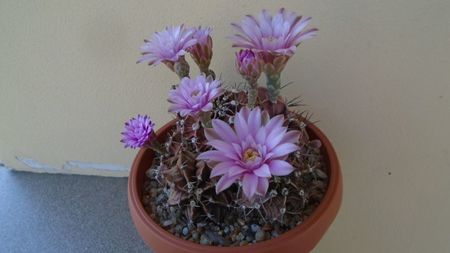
(251, 151)
(168, 45)
(278, 34)
(193, 96)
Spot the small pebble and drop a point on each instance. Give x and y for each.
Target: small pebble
(185, 231)
(274, 234)
(243, 243)
(214, 237)
(195, 236)
(321, 174)
(249, 238)
(153, 192)
(255, 228)
(201, 225)
(167, 223)
(260, 235)
(204, 240)
(267, 227)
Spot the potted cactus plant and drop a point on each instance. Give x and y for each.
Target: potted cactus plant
(238, 169)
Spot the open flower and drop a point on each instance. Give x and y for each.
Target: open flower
(138, 132)
(249, 65)
(193, 96)
(252, 152)
(167, 46)
(280, 34)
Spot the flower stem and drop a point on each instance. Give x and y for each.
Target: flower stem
(252, 93)
(181, 67)
(155, 146)
(273, 86)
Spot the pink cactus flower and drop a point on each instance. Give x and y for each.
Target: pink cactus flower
(278, 34)
(168, 45)
(193, 96)
(251, 152)
(138, 132)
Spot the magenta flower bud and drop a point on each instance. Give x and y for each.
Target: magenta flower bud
(138, 132)
(249, 65)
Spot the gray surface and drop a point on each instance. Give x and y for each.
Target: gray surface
(65, 213)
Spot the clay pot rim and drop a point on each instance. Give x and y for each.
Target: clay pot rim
(335, 179)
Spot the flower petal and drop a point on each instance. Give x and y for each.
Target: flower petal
(275, 137)
(249, 184)
(280, 168)
(284, 149)
(263, 185)
(224, 182)
(225, 147)
(291, 136)
(254, 120)
(236, 170)
(261, 135)
(263, 171)
(221, 168)
(210, 134)
(213, 155)
(240, 124)
(224, 131)
(274, 123)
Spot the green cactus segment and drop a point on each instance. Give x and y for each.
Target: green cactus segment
(273, 86)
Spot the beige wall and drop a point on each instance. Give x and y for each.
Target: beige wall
(377, 77)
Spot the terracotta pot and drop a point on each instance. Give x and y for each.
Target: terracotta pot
(301, 239)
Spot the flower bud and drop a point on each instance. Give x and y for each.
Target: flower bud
(202, 51)
(249, 65)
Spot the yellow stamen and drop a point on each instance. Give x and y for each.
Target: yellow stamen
(250, 155)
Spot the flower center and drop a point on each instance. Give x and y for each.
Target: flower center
(250, 155)
(271, 38)
(195, 93)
